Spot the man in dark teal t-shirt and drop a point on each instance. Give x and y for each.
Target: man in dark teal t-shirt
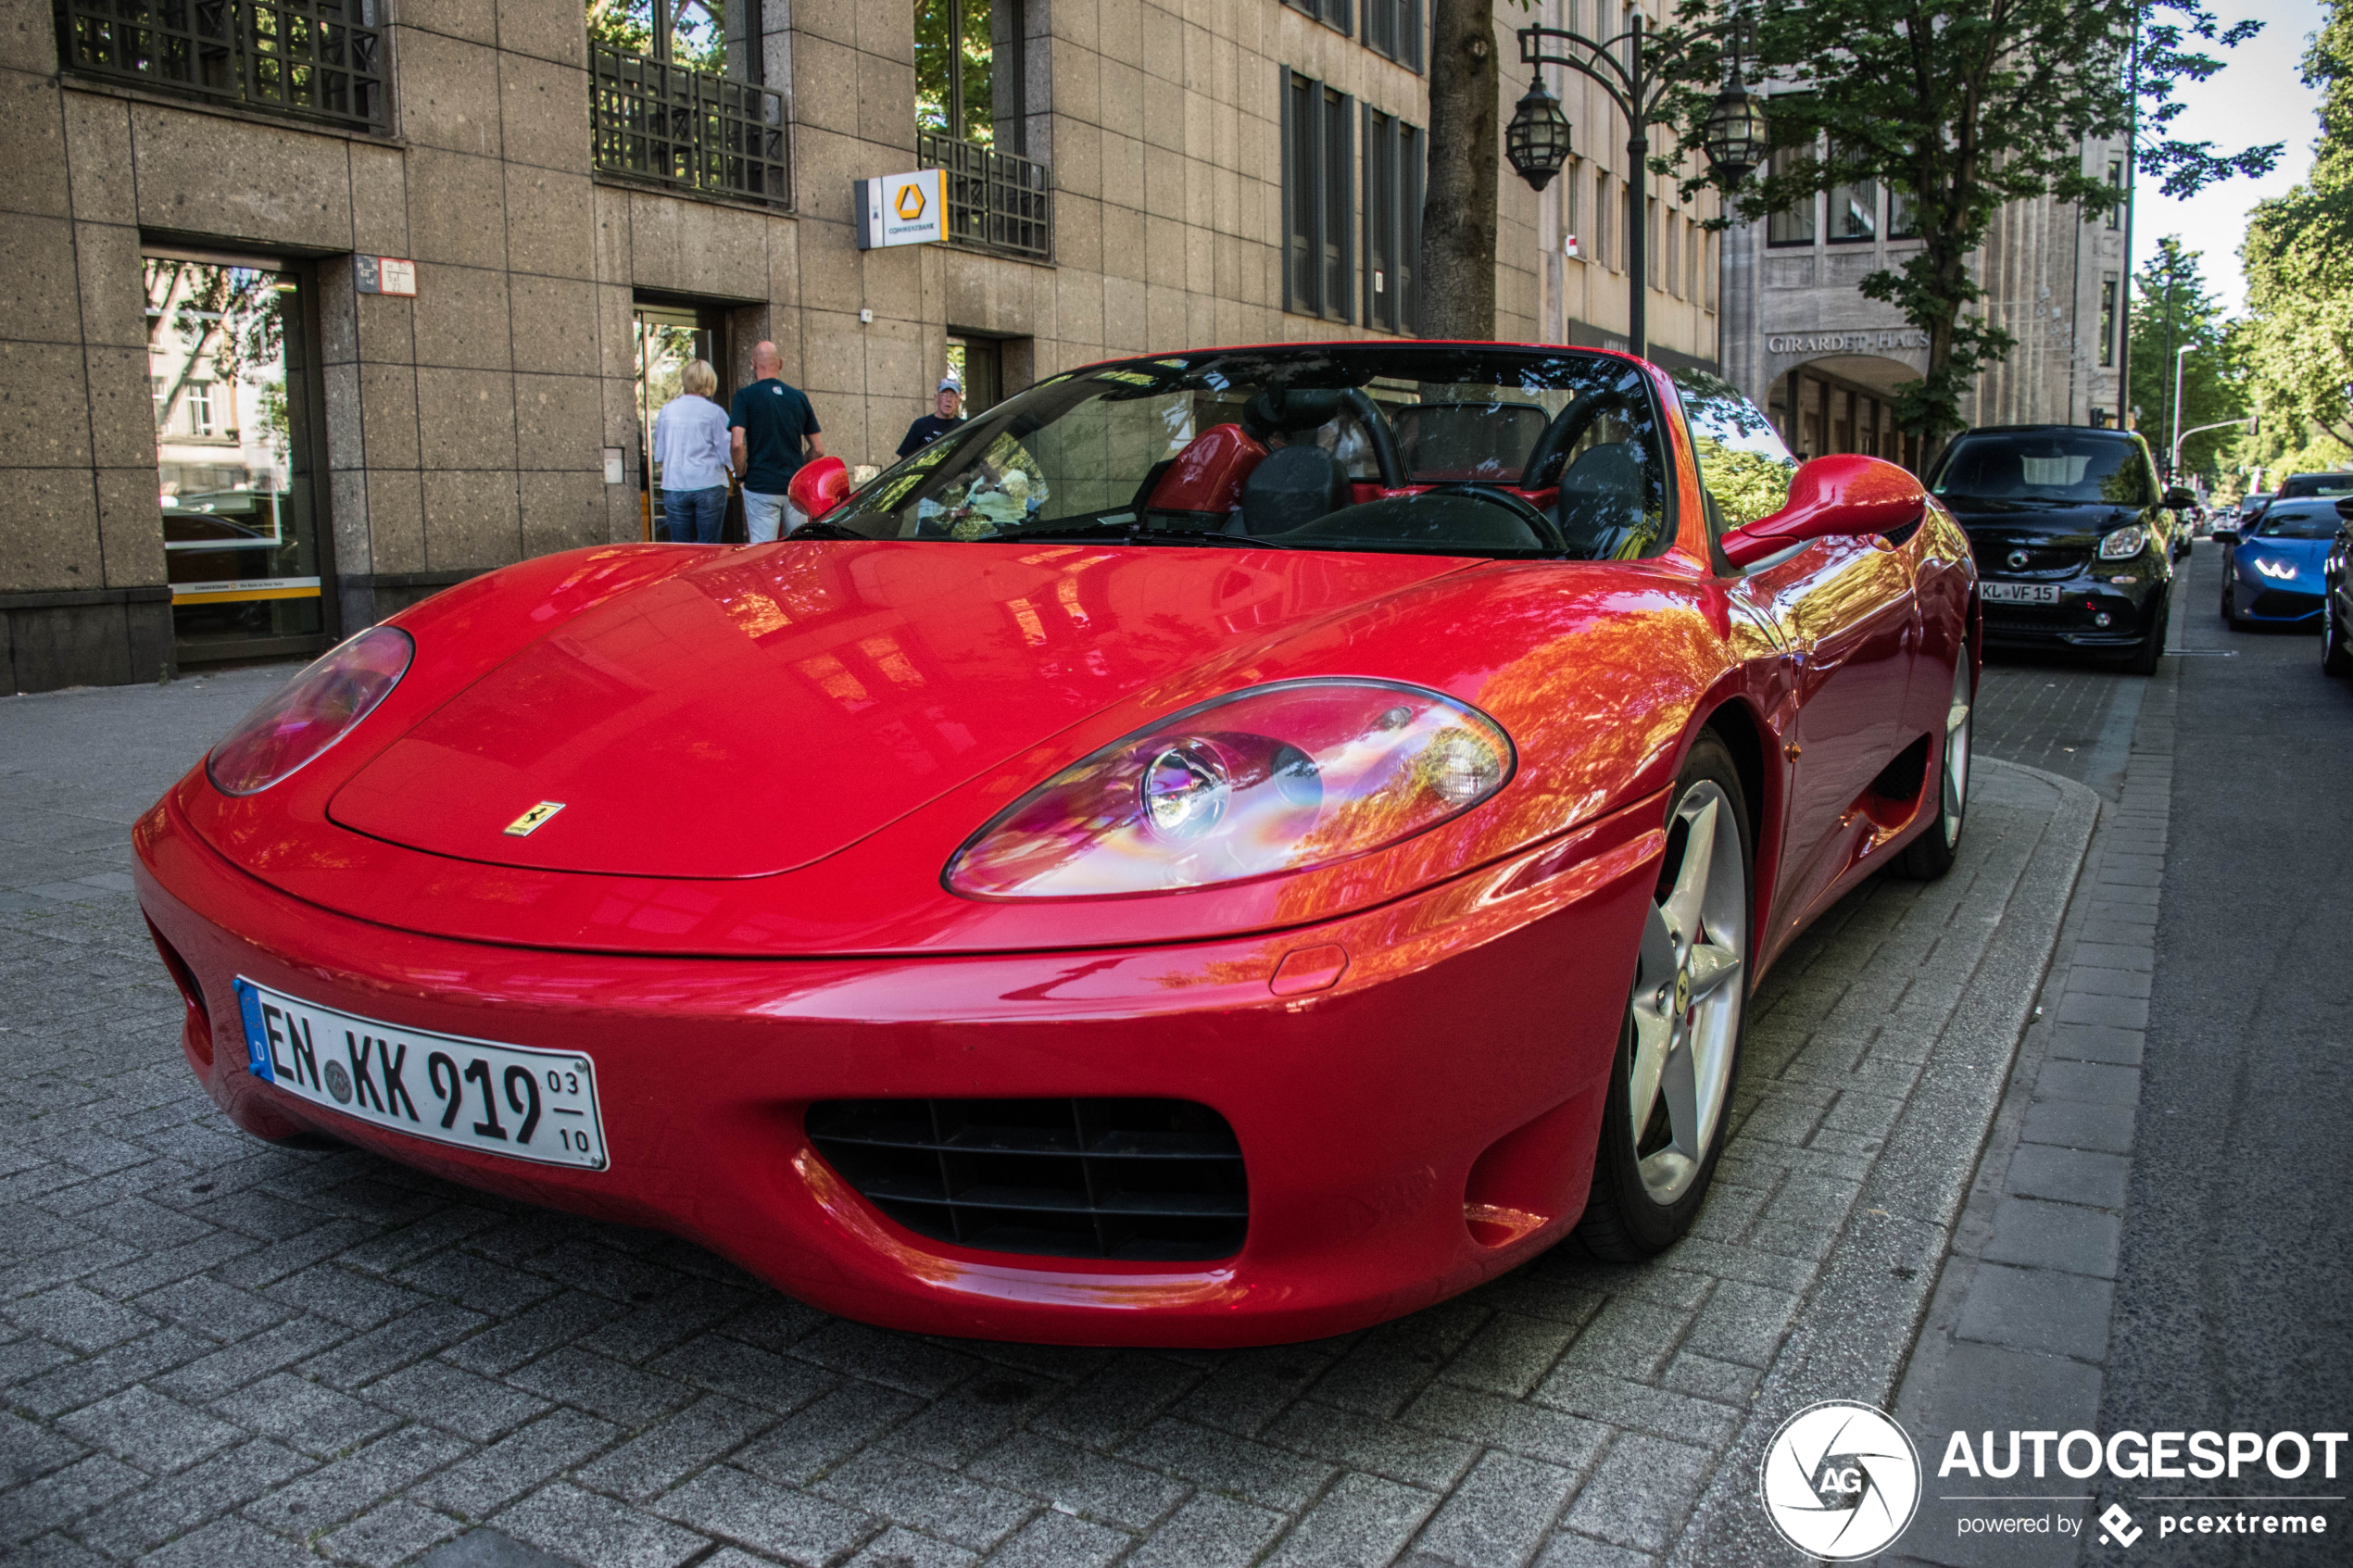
(772, 431)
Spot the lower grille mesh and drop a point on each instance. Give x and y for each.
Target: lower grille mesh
(1127, 1179)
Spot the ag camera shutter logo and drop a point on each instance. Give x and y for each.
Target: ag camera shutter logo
(1840, 1480)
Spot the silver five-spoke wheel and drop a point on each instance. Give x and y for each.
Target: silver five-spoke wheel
(1687, 995)
(1957, 751)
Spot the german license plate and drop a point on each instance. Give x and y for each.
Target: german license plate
(495, 1100)
(2019, 593)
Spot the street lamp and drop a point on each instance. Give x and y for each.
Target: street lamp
(2173, 469)
(1537, 140)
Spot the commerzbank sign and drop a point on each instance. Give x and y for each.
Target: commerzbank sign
(1847, 343)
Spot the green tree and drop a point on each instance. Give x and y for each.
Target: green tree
(2298, 336)
(2172, 310)
(1961, 106)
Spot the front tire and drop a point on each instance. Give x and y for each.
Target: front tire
(1670, 1086)
(1932, 854)
(2141, 660)
(2336, 659)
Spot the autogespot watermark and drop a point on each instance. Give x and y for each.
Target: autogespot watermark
(1842, 1480)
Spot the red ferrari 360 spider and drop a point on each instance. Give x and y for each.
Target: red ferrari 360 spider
(1221, 848)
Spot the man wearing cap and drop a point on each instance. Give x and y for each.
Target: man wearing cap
(932, 426)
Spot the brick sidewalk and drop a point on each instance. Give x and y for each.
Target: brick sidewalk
(217, 1352)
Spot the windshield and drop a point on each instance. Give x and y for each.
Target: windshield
(1391, 448)
(2316, 484)
(1742, 464)
(2045, 468)
(2298, 520)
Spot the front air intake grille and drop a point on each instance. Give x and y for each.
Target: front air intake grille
(2283, 603)
(1130, 1179)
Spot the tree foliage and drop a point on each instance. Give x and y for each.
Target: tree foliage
(2298, 337)
(1962, 106)
(2172, 310)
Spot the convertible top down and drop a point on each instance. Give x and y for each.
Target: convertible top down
(1224, 847)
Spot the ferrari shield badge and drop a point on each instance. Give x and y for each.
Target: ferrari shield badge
(531, 822)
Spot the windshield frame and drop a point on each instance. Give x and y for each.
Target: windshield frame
(1350, 367)
(2320, 508)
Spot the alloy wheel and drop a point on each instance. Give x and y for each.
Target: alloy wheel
(1688, 993)
(1957, 751)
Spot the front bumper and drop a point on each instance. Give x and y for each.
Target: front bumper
(2130, 611)
(1422, 1124)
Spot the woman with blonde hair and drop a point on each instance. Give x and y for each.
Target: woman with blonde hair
(690, 453)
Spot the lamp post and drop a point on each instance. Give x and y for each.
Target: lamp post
(1636, 79)
(2173, 467)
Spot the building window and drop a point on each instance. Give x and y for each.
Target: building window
(2115, 182)
(1603, 237)
(303, 59)
(1331, 13)
(1393, 175)
(1794, 225)
(1853, 212)
(1627, 218)
(1903, 215)
(1650, 245)
(958, 48)
(1394, 27)
(2108, 321)
(1711, 269)
(199, 407)
(1576, 238)
(675, 98)
(1317, 197)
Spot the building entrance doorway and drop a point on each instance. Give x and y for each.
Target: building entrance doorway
(234, 378)
(668, 339)
(979, 365)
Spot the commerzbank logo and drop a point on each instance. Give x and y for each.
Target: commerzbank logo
(910, 204)
(1840, 1480)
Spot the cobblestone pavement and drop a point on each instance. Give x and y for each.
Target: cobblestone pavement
(212, 1351)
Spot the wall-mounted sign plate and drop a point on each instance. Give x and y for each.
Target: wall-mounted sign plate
(902, 209)
(385, 274)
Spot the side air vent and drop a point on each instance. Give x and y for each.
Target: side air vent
(1156, 1180)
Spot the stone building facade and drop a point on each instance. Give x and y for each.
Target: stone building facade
(241, 427)
(1821, 359)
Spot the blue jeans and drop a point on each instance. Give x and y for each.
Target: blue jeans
(694, 515)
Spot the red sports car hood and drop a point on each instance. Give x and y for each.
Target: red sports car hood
(766, 709)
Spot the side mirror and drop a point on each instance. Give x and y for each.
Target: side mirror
(1846, 494)
(2179, 499)
(2344, 507)
(818, 488)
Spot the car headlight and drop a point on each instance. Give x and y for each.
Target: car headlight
(2125, 543)
(1277, 778)
(311, 712)
(2277, 570)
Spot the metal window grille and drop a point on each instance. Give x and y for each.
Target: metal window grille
(309, 59)
(695, 130)
(996, 201)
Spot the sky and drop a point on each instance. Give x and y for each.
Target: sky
(2256, 97)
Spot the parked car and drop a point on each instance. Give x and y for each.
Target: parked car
(1155, 865)
(2074, 536)
(2252, 504)
(2272, 570)
(2336, 595)
(2305, 487)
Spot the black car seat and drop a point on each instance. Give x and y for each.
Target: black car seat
(1291, 489)
(1601, 499)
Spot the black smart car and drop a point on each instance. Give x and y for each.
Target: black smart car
(2074, 536)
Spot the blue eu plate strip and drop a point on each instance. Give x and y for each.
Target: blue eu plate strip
(257, 1044)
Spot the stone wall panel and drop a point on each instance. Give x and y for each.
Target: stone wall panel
(33, 175)
(51, 540)
(465, 419)
(44, 406)
(204, 175)
(131, 524)
(470, 520)
(558, 422)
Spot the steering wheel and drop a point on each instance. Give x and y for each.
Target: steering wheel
(1547, 531)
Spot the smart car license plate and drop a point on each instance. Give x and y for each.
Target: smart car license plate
(495, 1099)
(2019, 593)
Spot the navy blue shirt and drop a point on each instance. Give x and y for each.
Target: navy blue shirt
(776, 421)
